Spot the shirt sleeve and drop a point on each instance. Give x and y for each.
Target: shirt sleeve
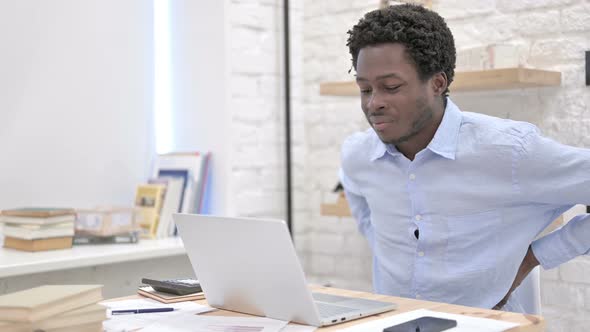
(548, 172)
(358, 206)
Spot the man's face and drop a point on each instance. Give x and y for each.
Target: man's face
(395, 101)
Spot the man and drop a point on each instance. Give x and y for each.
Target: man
(451, 202)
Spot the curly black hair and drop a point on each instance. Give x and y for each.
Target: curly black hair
(428, 40)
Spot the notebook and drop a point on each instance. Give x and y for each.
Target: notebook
(148, 291)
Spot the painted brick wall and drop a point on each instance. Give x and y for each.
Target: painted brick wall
(555, 34)
(257, 103)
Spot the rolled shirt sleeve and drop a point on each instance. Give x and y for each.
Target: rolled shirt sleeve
(552, 173)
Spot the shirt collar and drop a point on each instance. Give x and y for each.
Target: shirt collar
(444, 142)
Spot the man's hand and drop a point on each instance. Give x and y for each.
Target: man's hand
(528, 264)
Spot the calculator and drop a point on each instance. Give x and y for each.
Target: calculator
(174, 286)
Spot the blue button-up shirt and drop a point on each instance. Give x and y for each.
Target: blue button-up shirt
(479, 194)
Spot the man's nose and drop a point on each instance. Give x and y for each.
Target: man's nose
(376, 101)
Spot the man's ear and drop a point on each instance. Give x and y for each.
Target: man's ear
(439, 83)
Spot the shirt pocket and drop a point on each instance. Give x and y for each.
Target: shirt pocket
(473, 242)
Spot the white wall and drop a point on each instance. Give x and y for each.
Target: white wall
(75, 101)
(200, 69)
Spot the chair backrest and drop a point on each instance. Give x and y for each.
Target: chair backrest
(527, 297)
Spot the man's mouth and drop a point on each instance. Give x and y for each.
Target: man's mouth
(380, 126)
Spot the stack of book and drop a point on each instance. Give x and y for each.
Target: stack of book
(53, 308)
(38, 229)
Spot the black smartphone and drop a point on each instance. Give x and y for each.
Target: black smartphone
(423, 324)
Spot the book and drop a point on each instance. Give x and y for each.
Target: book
(41, 302)
(38, 244)
(131, 237)
(92, 327)
(38, 220)
(203, 184)
(38, 212)
(32, 232)
(171, 204)
(196, 164)
(181, 174)
(148, 201)
(148, 291)
(93, 313)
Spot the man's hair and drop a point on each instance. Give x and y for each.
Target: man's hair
(428, 40)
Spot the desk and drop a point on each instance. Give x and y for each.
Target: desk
(113, 265)
(528, 323)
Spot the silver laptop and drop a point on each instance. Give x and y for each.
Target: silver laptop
(250, 266)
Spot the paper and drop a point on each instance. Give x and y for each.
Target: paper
(131, 322)
(464, 323)
(192, 323)
(298, 328)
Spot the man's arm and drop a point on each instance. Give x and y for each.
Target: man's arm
(528, 264)
(552, 173)
(548, 172)
(358, 206)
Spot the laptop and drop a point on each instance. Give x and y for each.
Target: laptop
(249, 265)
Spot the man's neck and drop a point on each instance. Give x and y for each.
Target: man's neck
(419, 142)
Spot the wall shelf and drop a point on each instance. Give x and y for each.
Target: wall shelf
(15, 262)
(494, 79)
(339, 209)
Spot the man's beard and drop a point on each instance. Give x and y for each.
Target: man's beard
(419, 123)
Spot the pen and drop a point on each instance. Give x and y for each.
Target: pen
(140, 311)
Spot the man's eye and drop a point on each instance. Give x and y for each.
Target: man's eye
(365, 91)
(392, 88)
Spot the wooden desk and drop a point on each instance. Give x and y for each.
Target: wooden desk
(528, 323)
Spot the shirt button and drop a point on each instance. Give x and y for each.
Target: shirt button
(421, 254)
(412, 176)
(418, 296)
(418, 217)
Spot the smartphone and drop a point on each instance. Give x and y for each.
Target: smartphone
(423, 324)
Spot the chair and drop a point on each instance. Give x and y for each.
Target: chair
(527, 297)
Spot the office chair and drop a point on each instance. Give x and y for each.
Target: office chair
(527, 297)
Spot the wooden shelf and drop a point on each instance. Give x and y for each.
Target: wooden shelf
(495, 79)
(339, 209)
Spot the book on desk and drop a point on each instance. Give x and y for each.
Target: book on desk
(53, 307)
(148, 291)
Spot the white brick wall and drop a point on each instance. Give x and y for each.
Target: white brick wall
(555, 32)
(257, 90)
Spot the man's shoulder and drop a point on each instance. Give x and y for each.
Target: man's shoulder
(496, 131)
(360, 145)
(360, 139)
